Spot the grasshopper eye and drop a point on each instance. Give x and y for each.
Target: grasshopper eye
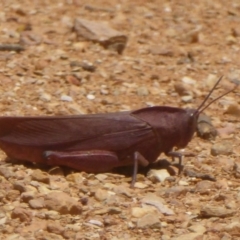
(192, 113)
(192, 118)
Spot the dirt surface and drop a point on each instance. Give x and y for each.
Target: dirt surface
(175, 52)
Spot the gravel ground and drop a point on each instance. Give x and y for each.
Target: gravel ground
(79, 57)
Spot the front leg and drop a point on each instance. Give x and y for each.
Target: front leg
(179, 155)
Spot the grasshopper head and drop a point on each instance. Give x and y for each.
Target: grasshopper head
(189, 126)
(191, 117)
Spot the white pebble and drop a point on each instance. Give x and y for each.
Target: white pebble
(66, 98)
(95, 222)
(189, 80)
(90, 96)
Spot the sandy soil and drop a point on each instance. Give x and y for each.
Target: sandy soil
(175, 52)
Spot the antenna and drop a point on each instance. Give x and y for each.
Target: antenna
(209, 94)
(214, 100)
(199, 110)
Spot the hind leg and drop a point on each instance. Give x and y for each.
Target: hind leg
(88, 161)
(94, 161)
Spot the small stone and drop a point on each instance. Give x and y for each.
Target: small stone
(102, 33)
(187, 99)
(234, 74)
(67, 21)
(182, 89)
(176, 191)
(62, 203)
(53, 215)
(90, 96)
(165, 237)
(171, 32)
(101, 211)
(227, 164)
(88, 66)
(222, 184)
(192, 36)
(114, 210)
(20, 174)
(142, 91)
(149, 221)
(12, 195)
(14, 236)
(6, 172)
(130, 225)
(20, 185)
(222, 148)
(109, 210)
(43, 189)
(188, 80)
(159, 50)
(183, 183)
(77, 109)
(158, 175)
(69, 234)
(123, 190)
(47, 235)
(11, 65)
(156, 201)
(233, 109)
(23, 214)
(101, 195)
(75, 178)
(205, 187)
(41, 65)
(138, 212)
(66, 98)
(45, 97)
(73, 80)
(231, 40)
(80, 46)
(140, 185)
(211, 80)
(231, 204)
(104, 91)
(101, 177)
(36, 184)
(84, 201)
(205, 128)
(55, 227)
(93, 182)
(38, 175)
(227, 130)
(96, 222)
(109, 221)
(37, 203)
(197, 228)
(109, 185)
(187, 236)
(233, 228)
(3, 220)
(209, 211)
(27, 196)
